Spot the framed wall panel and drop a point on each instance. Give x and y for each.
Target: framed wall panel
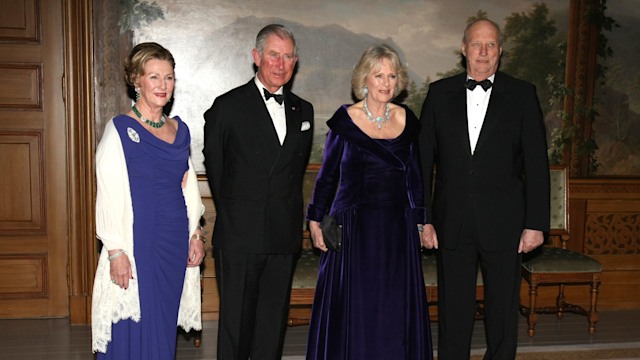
(19, 21)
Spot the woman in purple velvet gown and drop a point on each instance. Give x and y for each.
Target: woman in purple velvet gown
(370, 300)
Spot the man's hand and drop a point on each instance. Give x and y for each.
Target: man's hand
(529, 240)
(428, 237)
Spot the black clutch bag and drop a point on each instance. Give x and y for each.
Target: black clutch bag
(331, 233)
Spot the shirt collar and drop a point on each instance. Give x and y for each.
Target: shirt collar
(261, 86)
(490, 78)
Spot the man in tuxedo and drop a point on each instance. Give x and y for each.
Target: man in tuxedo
(257, 143)
(486, 147)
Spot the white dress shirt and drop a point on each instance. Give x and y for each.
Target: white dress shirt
(276, 111)
(477, 103)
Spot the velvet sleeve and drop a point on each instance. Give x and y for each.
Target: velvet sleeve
(415, 187)
(328, 178)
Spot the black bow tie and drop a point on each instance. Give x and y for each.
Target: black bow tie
(471, 84)
(277, 97)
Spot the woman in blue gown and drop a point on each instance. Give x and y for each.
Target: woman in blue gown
(370, 300)
(147, 207)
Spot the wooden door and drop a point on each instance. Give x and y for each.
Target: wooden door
(33, 165)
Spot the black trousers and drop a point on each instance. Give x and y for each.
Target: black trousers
(457, 269)
(254, 304)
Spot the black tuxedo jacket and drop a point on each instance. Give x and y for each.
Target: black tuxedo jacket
(256, 183)
(505, 183)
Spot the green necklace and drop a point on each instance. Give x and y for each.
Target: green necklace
(153, 124)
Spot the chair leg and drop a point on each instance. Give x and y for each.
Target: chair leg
(533, 317)
(593, 310)
(560, 302)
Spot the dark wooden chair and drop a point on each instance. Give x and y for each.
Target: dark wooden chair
(554, 264)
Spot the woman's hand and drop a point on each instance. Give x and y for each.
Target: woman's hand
(120, 268)
(316, 235)
(183, 184)
(196, 251)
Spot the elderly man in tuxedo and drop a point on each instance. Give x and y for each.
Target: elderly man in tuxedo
(484, 154)
(257, 143)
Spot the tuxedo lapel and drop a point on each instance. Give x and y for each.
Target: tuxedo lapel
(495, 110)
(293, 114)
(457, 99)
(261, 125)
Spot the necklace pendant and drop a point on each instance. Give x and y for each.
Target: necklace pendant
(376, 120)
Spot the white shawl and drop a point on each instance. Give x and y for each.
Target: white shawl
(114, 227)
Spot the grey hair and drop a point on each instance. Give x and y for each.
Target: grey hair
(466, 30)
(371, 58)
(278, 30)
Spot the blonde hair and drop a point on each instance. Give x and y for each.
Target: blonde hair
(372, 58)
(137, 59)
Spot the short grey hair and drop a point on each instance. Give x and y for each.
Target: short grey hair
(466, 30)
(371, 58)
(278, 30)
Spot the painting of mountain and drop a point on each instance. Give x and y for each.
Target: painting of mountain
(323, 76)
(212, 40)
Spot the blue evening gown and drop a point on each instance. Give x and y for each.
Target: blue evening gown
(160, 234)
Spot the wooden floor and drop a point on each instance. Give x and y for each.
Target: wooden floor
(54, 339)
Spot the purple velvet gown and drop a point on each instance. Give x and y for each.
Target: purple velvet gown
(160, 234)
(370, 300)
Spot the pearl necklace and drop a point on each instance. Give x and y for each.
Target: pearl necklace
(376, 120)
(153, 124)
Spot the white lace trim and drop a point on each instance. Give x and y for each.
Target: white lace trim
(111, 303)
(190, 313)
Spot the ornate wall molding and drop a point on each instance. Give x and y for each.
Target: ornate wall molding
(612, 234)
(620, 189)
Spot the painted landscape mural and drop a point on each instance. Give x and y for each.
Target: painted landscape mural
(212, 42)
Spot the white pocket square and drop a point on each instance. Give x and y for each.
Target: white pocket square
(305, 126)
